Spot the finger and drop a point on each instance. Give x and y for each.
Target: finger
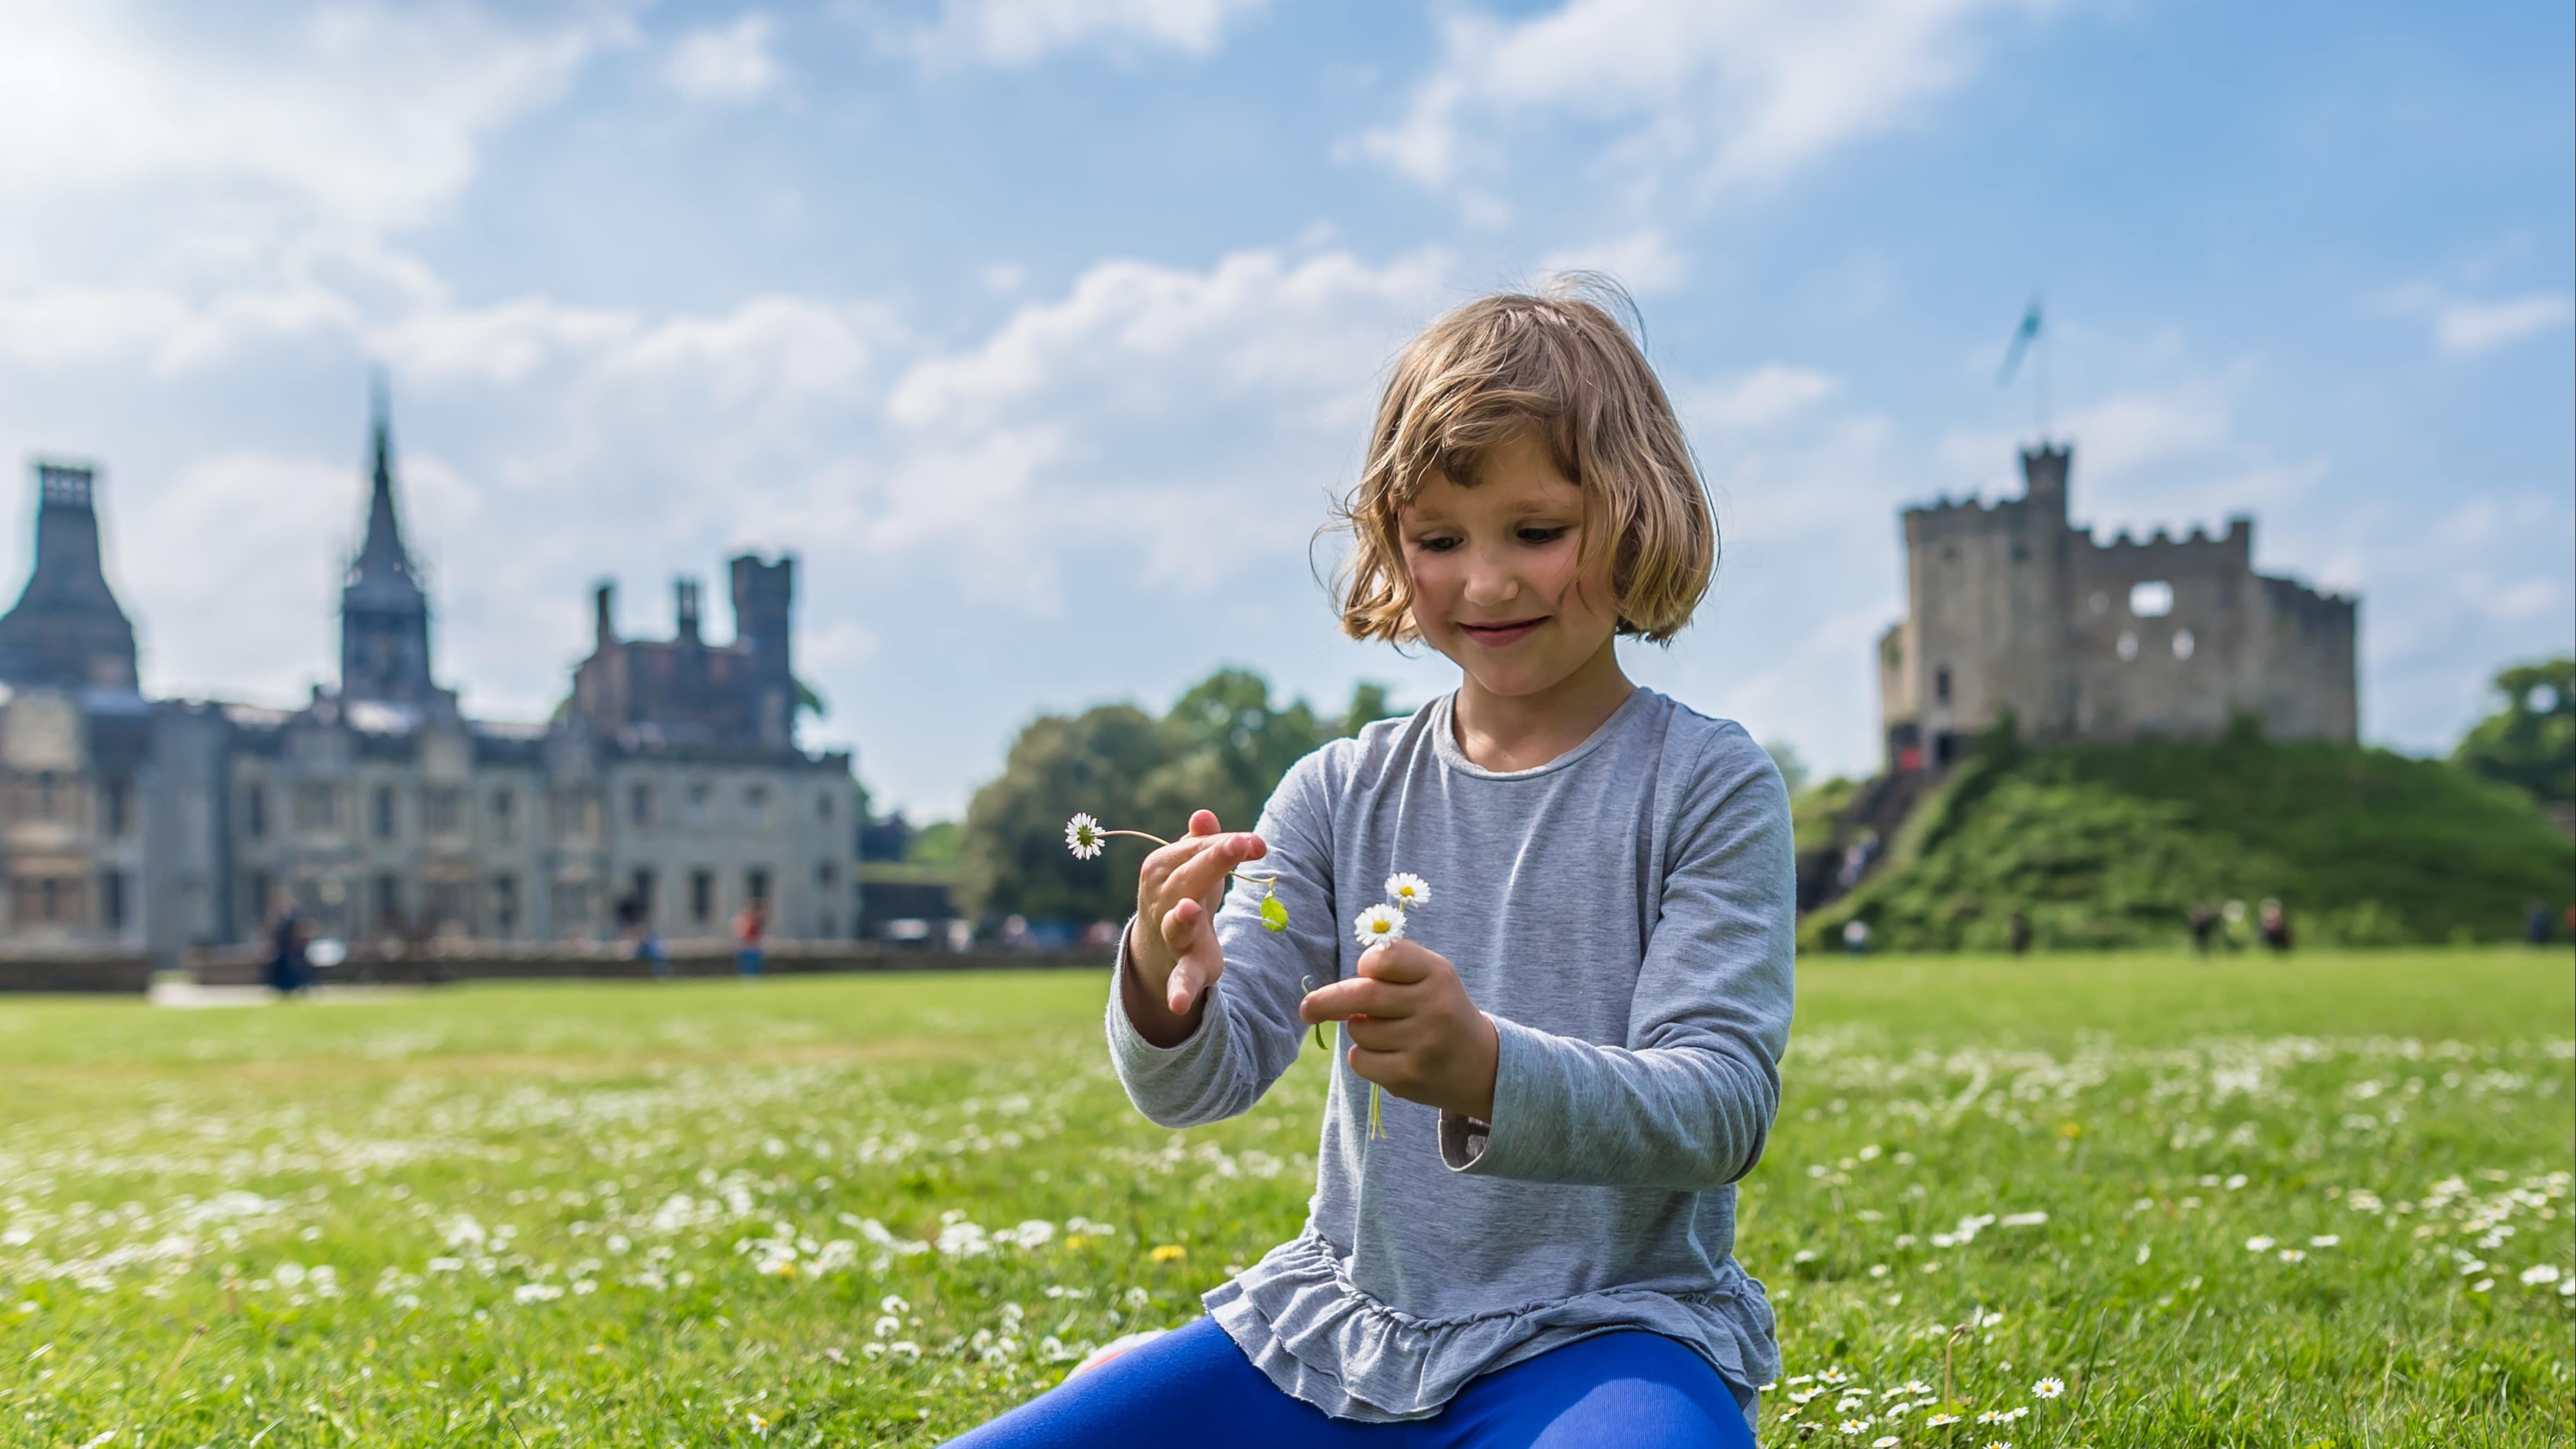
(1398, 962)
(1182, 988)
(1380, 1034)
(1200, 875)
(1181, 925)
(1356, 996)
(1166, 859)
(1391, 1070)
(1203, 823)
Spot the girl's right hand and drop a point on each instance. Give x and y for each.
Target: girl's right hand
(1173, 946)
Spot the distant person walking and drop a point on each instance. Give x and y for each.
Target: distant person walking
(2276, 928)
(1856, 936)
(2535, 924)
(290, 970)
(635, 923)
(748, 928)
(2203, 922)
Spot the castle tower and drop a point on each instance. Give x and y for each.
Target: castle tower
(384, 613)
(764, 597)
(67, 631)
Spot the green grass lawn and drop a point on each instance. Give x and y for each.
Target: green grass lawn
(2241, 1203)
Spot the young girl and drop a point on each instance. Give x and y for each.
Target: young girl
(1578, 1035)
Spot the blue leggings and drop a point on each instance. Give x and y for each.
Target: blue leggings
(1193, 1387)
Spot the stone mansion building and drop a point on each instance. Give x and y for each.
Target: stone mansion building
(2011, 608)
(671, 776)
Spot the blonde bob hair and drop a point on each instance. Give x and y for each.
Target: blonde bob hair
(1559, 365)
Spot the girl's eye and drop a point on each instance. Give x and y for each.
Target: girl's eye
(1435, 544)
(1542, 535)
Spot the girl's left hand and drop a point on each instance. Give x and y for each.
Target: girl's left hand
(1413, 1030)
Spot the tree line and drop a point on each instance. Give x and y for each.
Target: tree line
(1223, 746)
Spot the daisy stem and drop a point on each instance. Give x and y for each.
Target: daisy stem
(1259, 880)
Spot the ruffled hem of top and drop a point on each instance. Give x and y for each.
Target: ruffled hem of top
(1327, 1343)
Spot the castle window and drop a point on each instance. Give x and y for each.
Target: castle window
(120, 808)
(317, 806)
(383, 812)
(702, 896)
(2128, 645)
(2151, 600)
(505, 805)
(822, 807)
(444, 810)
(111, 899)
(639, 806)
(1941, 684)
(826, 876)
(2183, 644)
(389, 903)
(255, 820)
(755, 885)
(505, 906)
(755, 798)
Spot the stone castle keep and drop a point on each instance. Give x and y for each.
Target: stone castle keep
(2011, 608)
(670, 777)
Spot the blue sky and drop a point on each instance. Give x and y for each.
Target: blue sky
(1041, 329)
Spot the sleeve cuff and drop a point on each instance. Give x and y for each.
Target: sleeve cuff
(1133, 1055)
(1499, 1147)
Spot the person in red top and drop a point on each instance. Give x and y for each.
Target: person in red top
(748, 927)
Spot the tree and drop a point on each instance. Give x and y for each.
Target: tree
(1222, 747)
(2530, 742)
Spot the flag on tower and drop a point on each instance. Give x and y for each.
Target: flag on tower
(2023, 336)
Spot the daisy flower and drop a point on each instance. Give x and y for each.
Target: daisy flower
(1084, 837)
(2048, 1388)
(1409, 891)
(1378, 924)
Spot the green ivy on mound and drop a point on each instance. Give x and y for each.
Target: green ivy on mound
(2112, 846)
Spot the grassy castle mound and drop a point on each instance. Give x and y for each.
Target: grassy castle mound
(2112, 847)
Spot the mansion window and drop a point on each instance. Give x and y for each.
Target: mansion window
(317, 806)
(255, 818)
(443, 810)
(380, 814)
(505, 818)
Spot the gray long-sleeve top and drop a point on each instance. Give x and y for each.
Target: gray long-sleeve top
(1624, 914)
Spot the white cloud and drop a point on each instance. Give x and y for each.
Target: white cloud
(1727, 90)
(727, 64)
(2465, 327)
(370, 115)
(1022, 32)
(2472, 327)
(1644, 262)
(1753, 400)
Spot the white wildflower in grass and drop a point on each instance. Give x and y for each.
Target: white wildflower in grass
(2324, 1240)
(1378, 925)
(2258, 1244)
(1885, 1441)
(2533, 1277)
(1408, 890)
(2048, 1388)
(1938, 1421)
(1853, 1426)
(2293, 1255)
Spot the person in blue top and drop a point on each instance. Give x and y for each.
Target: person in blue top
(1575, 1016)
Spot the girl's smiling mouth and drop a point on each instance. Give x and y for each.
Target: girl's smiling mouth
(1495, 636)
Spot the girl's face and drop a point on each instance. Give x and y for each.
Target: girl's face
(1496, 576)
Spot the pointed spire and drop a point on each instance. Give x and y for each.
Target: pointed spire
(384, 613)
(383, 566)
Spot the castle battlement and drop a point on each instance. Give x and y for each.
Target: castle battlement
(2012, 609)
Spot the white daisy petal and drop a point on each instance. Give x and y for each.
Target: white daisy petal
(1409, 891)
(1082, 836)
(1378, 925)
